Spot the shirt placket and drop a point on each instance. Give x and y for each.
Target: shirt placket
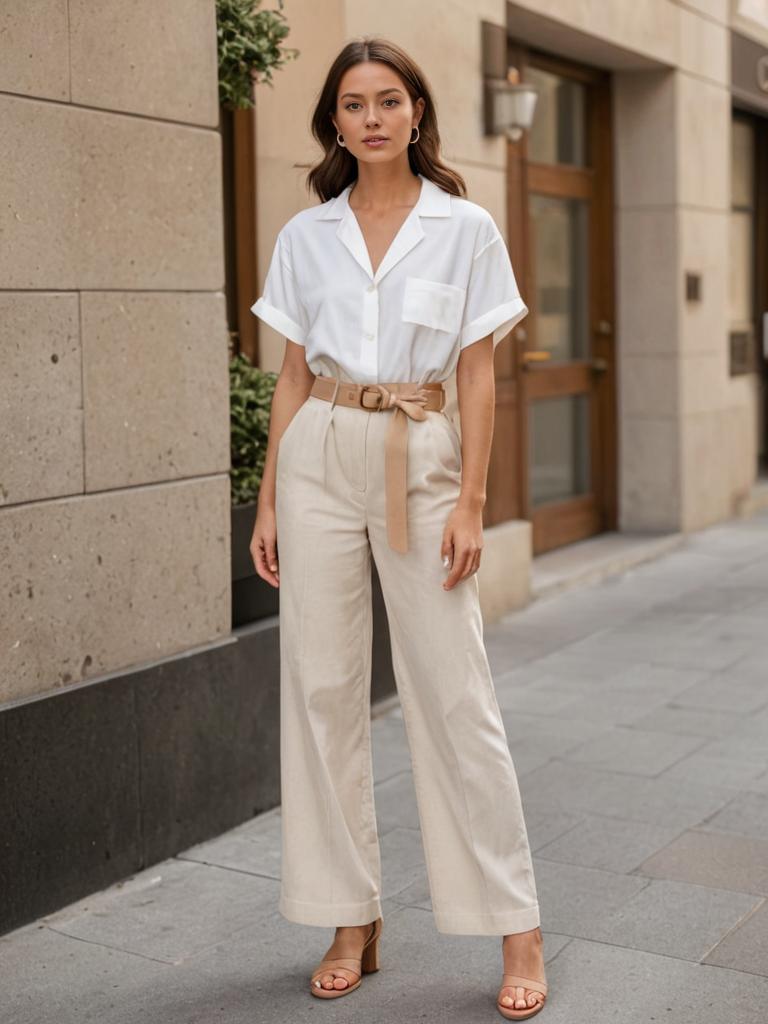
(369, 347)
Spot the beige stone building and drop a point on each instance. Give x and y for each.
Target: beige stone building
(635, 214)
(631, 399)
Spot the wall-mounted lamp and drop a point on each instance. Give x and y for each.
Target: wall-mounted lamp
(509, 105)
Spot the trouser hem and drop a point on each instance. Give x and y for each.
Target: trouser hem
(506, 923)
(330, 915)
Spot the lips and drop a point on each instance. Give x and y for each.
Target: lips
(375, 138)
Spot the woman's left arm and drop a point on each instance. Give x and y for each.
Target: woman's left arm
(476, 387)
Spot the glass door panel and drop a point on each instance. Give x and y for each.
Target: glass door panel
(741, 279)
(561, 260)
(558, 134)
(559, 446)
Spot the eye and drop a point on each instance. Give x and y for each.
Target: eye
(354, 103)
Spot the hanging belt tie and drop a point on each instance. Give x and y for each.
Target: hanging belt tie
(405, 404)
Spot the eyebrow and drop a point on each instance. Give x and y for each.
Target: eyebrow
(379, 93)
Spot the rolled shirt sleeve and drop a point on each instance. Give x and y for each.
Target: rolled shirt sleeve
(493, 304)
(279, 305)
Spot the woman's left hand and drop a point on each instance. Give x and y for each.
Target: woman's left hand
(462, 544)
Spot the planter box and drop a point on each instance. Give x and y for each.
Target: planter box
(252, 597)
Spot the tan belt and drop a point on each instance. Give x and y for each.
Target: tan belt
(406, 399)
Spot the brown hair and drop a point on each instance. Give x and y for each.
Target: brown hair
(338, 167)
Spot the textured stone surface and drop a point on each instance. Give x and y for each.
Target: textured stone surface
(156, 383)
(34, 49)
(158, 60)
(168, 912)
(41, 397)
(106, 777)
(719, 860)
(115, 202)
(101, 582)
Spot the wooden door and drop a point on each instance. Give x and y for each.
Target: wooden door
(748, 264)
(238, 138)
(556, 385)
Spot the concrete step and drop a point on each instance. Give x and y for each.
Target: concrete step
(587, 561)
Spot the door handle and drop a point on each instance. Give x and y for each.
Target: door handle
(535, 355)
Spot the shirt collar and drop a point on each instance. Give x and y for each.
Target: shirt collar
(433, 202)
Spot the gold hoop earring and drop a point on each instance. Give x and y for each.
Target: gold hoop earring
(418, 134)
(340, 139)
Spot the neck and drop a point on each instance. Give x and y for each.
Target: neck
(384, 187)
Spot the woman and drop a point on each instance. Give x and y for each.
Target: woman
(382, 290)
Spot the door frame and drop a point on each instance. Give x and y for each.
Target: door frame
(761, 270)
(558, 523)
(240, 208)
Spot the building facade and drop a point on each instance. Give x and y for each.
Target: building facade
(632, 398)
(634, 215)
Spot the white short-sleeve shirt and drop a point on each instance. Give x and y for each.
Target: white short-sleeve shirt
(445, 282)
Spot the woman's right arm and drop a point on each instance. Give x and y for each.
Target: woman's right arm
(294, 383)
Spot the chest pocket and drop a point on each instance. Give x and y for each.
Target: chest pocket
(433, 304)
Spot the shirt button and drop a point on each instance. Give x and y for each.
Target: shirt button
(369, 334)
(372, 287)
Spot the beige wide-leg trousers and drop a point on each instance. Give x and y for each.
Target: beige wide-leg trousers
(330, 511)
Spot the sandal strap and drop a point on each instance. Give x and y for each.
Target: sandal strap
(532, 983)
(353, 964)
(347, 963)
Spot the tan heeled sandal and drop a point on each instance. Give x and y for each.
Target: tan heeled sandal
(530, 983)
(365, 964)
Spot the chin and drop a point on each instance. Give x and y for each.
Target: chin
(377, 156)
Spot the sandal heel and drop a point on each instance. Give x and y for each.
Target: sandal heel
(369, 961)
(370, 958)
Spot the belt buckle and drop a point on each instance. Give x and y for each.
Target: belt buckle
(370, 408)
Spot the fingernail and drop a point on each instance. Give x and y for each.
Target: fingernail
(446, 561)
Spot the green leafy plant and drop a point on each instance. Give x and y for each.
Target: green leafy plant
(250, 405)
(249, 44)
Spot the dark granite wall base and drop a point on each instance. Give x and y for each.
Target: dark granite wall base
(106, 778)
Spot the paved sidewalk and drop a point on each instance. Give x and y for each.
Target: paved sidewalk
(637, 715)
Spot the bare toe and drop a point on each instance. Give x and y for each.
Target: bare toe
(520, 1002)
(511, 998)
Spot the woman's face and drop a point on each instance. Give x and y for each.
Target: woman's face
(372, 100)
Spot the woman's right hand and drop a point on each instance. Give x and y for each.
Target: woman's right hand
(294, 383)
(263, 546)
